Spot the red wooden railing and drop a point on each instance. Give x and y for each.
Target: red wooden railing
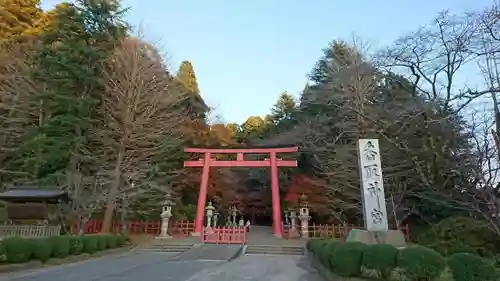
(225, 235)
(181, 227)
(139, 227)
(336, 231)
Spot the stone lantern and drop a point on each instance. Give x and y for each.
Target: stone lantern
(166, 214)
(209, 213)
(304, 216)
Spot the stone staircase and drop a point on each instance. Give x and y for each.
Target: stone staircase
(166, 248)
(169, 245)
(210, 252)
(290, 250)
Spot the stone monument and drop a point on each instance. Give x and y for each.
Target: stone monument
(373, 198)
(166, 214)
(304, 216)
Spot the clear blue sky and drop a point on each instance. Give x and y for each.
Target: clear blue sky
(245, 53)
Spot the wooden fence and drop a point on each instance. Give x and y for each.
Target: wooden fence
(187, 227)
(26, 231)
(139, 227)
(224, 235)
(336, 231)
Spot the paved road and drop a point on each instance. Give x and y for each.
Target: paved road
(139, 266)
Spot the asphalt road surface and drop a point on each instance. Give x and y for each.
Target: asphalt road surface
(144, 266)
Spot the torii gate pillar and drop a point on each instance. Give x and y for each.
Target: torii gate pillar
(275, 197)
(273, 162)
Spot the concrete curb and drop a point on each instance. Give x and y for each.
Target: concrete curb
(241, 251)
(68, 260)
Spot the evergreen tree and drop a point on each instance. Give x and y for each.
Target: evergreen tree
(82, 37)
(284, 108)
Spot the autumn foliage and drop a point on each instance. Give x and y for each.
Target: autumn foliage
(310, 188)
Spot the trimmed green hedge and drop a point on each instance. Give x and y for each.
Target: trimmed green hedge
(381, 258)
(469, 267)
(326, 253)
(346, 259)
(420, 263)
(19, 250)
(415, 263)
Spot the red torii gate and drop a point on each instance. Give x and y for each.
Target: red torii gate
(207, 161)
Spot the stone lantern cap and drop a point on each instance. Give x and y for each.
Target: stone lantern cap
(303, 201)
(168, 200)
(210, 206)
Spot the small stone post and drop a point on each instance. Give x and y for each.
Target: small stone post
(233, 214)
(166, 214)
(304, 217)
(293, 216)
(216, 218)
(210, 213)
(293, 224)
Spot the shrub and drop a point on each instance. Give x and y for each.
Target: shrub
(318, 247)
(420, 263)
(76, 245)
(3, 256)
(121, 240)
(42, 249)
(382, 258)
(90, 244)
(101, 242)
(111, 241)
(127, 237)
(469, 267)
(460, 235)
(327, 252)
(309, 244)
(17, 250)
(60, 246)
(346, 259)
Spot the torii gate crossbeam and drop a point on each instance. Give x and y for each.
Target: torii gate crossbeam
(207, 161)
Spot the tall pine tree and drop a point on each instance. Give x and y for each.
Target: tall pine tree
(66, 64)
